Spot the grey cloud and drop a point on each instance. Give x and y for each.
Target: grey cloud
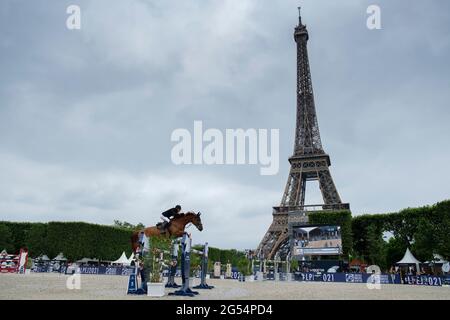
(77, 107)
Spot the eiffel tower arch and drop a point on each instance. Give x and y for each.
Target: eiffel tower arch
(309, 162)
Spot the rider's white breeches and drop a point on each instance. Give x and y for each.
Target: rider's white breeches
(164, 219)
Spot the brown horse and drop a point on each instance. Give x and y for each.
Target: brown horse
(175, 229)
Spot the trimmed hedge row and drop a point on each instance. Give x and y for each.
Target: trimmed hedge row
(426, 230)
(78, 240)
(75, 239)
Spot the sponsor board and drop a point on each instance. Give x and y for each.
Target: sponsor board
(369, 278)
(424, 280)
(118, 271)
(347, 277)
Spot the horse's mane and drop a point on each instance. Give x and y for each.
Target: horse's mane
(181, 215)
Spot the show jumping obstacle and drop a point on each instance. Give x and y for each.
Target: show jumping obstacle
(173, 266)
(186, 250)
(186, 244)
(203, 271)
(142, 248)
(204, 268)
(140, 243)
(262, 268)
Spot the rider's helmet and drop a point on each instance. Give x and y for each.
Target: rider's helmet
(178, 207)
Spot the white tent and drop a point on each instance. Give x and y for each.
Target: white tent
(87, 260)
(122, 260)
(60, 257)
(409, 259)
(44, 258)
(308, 229)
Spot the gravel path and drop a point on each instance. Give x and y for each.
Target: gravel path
(100, 287)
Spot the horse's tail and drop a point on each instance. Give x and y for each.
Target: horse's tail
(134, 241)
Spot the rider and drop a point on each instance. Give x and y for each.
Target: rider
(167, 215)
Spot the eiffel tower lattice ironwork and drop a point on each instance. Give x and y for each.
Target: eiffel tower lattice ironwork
(309, 161)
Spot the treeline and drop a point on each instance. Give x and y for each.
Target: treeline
(235, 257)
(383, 238)
(376, 239)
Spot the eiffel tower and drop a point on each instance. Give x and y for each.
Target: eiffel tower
(309, 162)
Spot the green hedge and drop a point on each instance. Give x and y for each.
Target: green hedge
(78, 240)
(75, 239)
(19, 234)
(426, 230)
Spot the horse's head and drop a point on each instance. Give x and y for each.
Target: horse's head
(195, 219)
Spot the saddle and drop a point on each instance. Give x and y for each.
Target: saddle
(163, 227)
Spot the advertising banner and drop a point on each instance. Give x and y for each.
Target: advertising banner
(423, 280)
(347, 277)
(106, 270)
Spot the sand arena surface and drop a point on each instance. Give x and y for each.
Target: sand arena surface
(99, 287)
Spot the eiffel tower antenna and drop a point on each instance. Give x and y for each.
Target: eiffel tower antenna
(299, 16)
(309, 162)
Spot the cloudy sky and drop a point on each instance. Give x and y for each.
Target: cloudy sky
(86, 115)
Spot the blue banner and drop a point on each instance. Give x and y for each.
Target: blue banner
(106, 270)
(113, 271)
(347, 277)
(423, 280)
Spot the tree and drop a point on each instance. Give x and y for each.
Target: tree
(394, 251)
(403, 224)
(128, 226)
(442, 210)
(294, 265)
(376, 246)
(244, 266)
(425, 240)
(432, 234)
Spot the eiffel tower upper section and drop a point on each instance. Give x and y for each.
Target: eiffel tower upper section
(307, 135)
(308, 162)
